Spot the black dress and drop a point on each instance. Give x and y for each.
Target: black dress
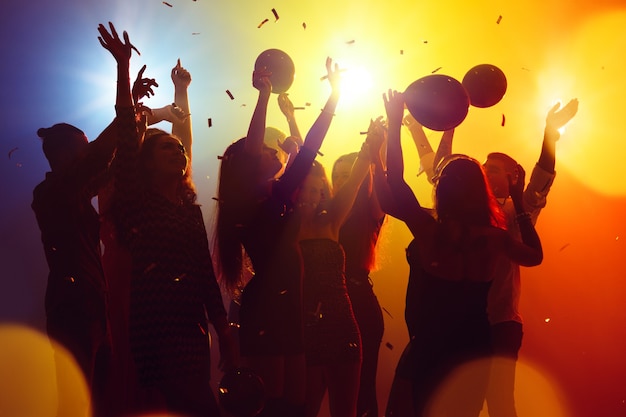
(448, 327)
(331, 332)
(270, 314)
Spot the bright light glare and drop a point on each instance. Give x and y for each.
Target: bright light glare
(356, 84)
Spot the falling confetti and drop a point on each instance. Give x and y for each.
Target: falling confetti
(304, 25)
(387, 311)
(210, 122)
(563, 247)
(425, 41)
(195, 33)
(389, 346)
(12, 150)
(350, 42)
(275, 15)
(503, 120)
(230, 94)
(401, 51)
(167, 4)
(499, 20)
(435, 70)
(547, 319)
(298, 108)
(263, 22)
(307, 104)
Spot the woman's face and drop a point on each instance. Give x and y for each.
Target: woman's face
(169, 157)
(310, 193)
(270, 166)
(341, 173)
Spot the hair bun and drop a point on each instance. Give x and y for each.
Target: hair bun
(42, 132)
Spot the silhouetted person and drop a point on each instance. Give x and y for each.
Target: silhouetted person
(455, 256)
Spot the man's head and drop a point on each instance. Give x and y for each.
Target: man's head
(61, 144)
(498, 167)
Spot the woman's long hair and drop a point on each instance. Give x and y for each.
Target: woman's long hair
(462, 194)
(236, 196)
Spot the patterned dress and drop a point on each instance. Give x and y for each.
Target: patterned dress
(174, 291)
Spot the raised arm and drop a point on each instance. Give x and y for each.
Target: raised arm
(376, 139)
(342, 201)
(317, 132)
(181, 127)
(555, 120)
(528, 252)
(286, 107)
(256, 130)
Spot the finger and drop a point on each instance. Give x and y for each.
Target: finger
(178, 63)
(113, 31)
(140, 73)
(133, 48)
(104, 45)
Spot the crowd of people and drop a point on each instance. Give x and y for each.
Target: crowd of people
(293, 250)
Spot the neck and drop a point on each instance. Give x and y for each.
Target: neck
(168, 188)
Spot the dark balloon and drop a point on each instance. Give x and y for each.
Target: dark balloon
(280, 65)
(485, 85)
(438, 102)
(241, 393)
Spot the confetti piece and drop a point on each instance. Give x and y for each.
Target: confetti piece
(363, 133)
(210, 122)
(167, 4)
(195, 33)
(307, 104)
(435, 70)
(230, 94)
(263, 22)
(12, 150)
(425, 41)
(389, 346)
(275, 15)
(298, 108)
(499, 20)
(202, 328)
(304, 25)
(563, 247)
(401, 51)
(503, 120)
(387, 311)
(547, 320)
(350, 42)
(525, 69)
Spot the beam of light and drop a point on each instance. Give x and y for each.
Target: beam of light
(591, 67)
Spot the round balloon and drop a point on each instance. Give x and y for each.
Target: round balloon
(280, 65)
(485, 84)
(241, 393)
(439, 102)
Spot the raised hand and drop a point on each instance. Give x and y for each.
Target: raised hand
(261, 80)
(376, 136)
(142, 87)
(121, 51)
(559, 116)
(394, 105)
(180, 76)
(333, 75)
(285, 105)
